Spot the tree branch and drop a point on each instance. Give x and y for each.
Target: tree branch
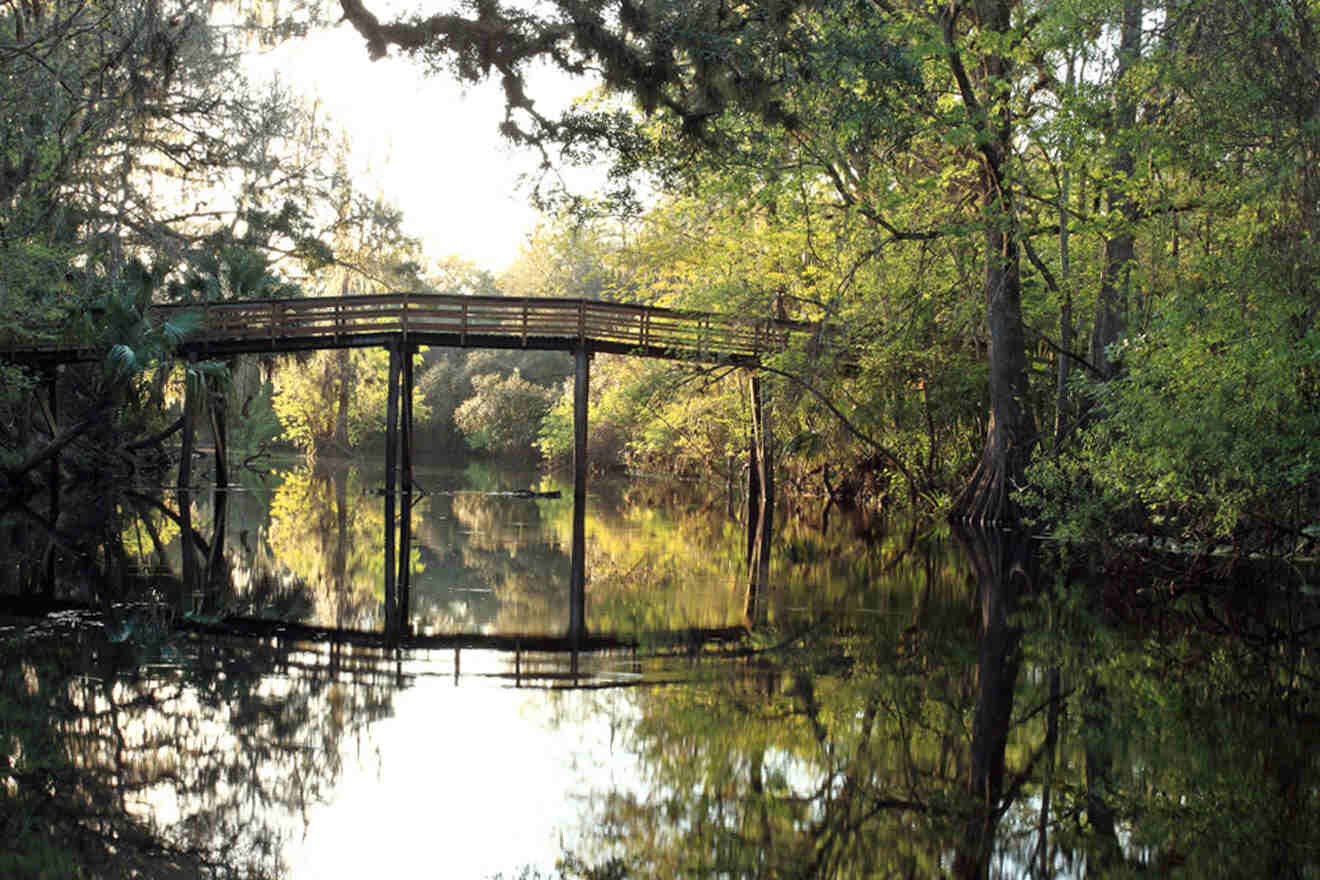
(914, 489)
(55, 446)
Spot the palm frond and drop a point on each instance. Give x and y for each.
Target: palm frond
(121, 359)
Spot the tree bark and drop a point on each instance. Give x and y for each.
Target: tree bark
(157, 438)
(15, 474)
(1011, 432)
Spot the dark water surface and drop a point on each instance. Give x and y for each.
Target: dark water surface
(915, 703)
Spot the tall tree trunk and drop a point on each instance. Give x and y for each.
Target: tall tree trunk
(1067, 332)
(1120, 245)
(1011, 433)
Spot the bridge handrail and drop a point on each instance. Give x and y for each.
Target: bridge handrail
(522, 319)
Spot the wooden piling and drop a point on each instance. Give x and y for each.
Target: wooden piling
(577, 601)
(760, 506)
(753, 485)
(220, 495)
(406, 489)
(186, 550)
(391, 464)
(53, 473)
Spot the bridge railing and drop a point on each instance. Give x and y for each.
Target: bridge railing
(471, 320)
(525, 320)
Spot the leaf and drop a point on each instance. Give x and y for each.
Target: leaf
(121, 359)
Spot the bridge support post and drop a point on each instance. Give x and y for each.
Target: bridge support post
(760, 506)
(53, 474)
(398, 479)
(391, 464)
(577, 601)
(186, 550)
(220, 503)
(405, 487)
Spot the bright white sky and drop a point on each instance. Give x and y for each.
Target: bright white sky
(429, 146)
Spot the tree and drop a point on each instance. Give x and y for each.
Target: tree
(334, 399)
(951, 138)
(1205, 427)
(137, 164)
(148, 139)
(503, 415)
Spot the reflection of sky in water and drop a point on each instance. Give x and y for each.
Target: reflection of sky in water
(466, 781)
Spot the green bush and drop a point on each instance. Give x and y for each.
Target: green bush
(503, 415)
(1211, 430)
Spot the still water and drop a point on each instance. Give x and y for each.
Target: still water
(914, 702)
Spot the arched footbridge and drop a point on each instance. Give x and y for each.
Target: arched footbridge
(305, 324)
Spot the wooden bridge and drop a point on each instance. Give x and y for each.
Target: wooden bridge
(289, 325)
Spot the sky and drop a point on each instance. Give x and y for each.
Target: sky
(429, 146)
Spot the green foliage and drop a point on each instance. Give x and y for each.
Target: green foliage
(908, 384)
(628, 423)
(233, 272)
(119, 323)
(138, 164)
(335, 399)
(1211, 430)
(958, 196)
(15, 386)
(503, 415)
(258, 425)
(446, 382)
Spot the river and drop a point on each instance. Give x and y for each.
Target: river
(913, 700)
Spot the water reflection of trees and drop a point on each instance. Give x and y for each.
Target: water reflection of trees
(1004, 730)
(225, 744)
(490, 565)
(328, 532)
(850, 757)
(114, 544)
(668, 557)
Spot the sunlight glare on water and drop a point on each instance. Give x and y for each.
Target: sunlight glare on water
(468, 780)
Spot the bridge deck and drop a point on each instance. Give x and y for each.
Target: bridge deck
(464, 322)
